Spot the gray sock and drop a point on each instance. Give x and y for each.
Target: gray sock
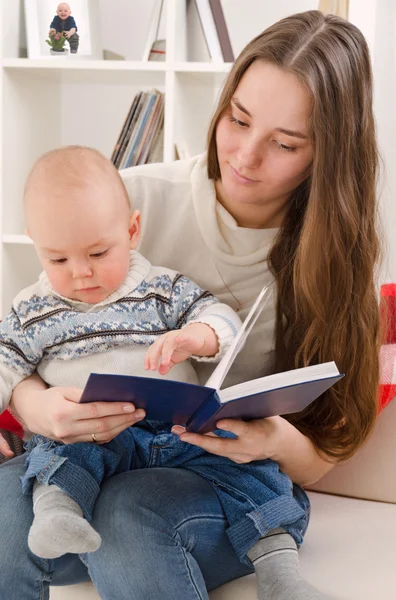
(275, 561)
(59, 526)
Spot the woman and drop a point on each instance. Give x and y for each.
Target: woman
(287, 191)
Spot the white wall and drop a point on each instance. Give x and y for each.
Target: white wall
(247, 18)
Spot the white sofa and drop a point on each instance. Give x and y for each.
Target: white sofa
(349, 551)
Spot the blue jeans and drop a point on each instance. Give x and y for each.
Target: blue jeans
(256, 497)
(164, 537)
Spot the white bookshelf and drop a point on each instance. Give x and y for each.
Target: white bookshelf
(47, 103)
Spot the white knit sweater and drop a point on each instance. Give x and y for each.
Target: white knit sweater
(184, 228)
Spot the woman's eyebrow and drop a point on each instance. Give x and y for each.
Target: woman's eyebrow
(239, 105)
(292, 133)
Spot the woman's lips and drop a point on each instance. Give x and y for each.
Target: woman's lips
(241, 178)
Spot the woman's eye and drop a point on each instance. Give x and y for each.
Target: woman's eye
(237, 121)
(99, 254)
(286, 148)
(58, 261)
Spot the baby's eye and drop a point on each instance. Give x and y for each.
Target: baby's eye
(58, 261)
(99, 254)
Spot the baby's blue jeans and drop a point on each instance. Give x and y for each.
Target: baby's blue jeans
(256, 497)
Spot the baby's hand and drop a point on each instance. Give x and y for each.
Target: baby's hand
(51, 31)
(5, 448)
(174, 347)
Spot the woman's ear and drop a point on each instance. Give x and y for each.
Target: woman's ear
(134, 229)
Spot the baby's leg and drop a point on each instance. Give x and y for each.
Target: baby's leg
(74, 41)
(59, 526)
(275, 561)
(65, 480)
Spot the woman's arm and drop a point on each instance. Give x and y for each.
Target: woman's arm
(21, 394)
(57, 414)
(273, 438)
(297, 455)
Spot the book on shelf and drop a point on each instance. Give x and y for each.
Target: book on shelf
(155, 49)
(199, 407)
(222, 30)
(119, 147)
(158, 51)
(142, 128)
(215, 30)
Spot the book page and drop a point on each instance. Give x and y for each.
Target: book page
(220, 372)
(279, 380)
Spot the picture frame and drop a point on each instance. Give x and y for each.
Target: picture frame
(43, 15)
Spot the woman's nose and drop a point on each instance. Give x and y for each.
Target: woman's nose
(250, 155)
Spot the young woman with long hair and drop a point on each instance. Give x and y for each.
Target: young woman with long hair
(285, 192)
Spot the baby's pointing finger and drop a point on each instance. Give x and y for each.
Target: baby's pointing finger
(155, 353)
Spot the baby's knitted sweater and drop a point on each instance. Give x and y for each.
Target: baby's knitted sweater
(65, 340)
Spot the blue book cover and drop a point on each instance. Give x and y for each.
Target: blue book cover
(199, 407)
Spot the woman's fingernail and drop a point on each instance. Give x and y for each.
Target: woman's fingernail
(177, 429)
(129, 408)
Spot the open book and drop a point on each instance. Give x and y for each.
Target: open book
(199, 407)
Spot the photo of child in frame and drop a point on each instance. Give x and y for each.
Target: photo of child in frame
(64, 24)
(71, 30)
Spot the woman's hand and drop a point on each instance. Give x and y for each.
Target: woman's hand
(55, 413)
(256, 440)
(273, 438)
(5, 448)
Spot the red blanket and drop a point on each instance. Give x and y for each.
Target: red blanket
(387, 388)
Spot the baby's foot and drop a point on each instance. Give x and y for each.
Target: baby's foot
(59, 526)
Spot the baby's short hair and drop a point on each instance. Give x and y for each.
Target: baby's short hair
(74, 167)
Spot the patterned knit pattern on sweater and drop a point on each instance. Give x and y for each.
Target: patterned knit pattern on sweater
(65, 340)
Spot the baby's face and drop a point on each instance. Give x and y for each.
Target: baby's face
(63, 11)
(84, 245)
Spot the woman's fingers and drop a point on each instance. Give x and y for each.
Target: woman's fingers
(211, 443)
(71, 421)
(250, 442)
(104, 428)
(5, 447)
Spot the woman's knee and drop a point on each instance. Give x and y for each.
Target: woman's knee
(153, 498)
(16, 512)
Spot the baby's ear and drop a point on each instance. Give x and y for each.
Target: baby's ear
(134, 229)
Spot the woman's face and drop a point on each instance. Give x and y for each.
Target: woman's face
(262, 142)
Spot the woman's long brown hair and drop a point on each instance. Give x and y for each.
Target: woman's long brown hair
(324, 257)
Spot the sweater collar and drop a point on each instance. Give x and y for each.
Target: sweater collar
(214, 220)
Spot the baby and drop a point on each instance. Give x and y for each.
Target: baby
(101, 306)
(64, 23)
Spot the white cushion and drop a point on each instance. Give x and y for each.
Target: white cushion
(371, 473)
(348, 554)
